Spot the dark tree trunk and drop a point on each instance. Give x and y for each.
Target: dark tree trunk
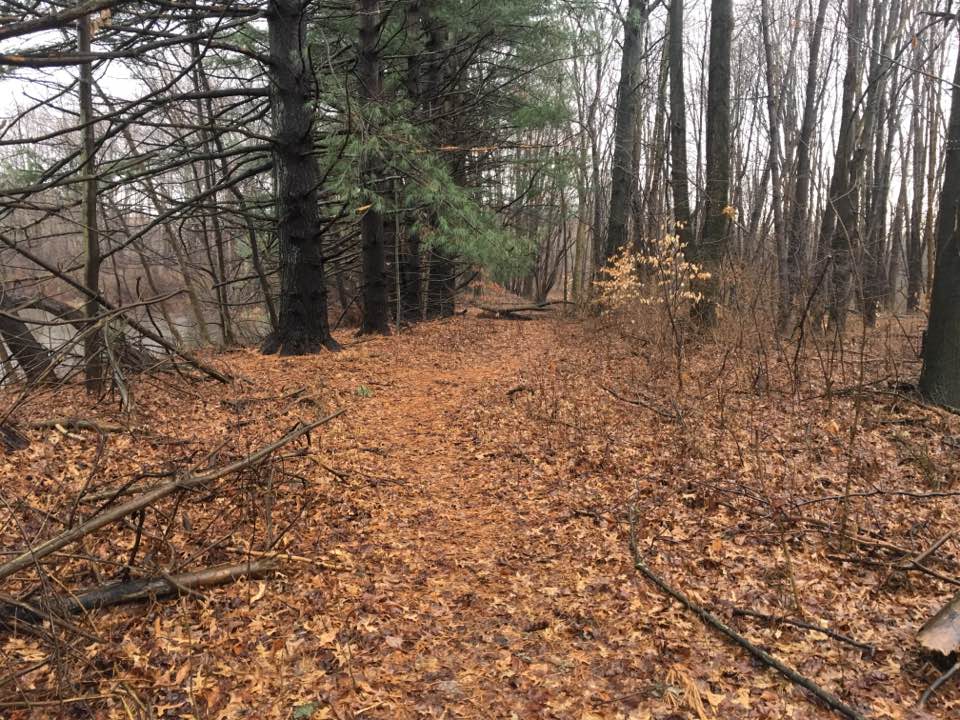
(623, 177)
(439, 90)
(410, 273)
(376, 313)
(303, 326)
(773, 114)
(678, 127)
(797, 223)
(940, 378)
(410, 279)
(874, 176)
(915, 233)
(709, 250)
(839, 226)
(94, 369)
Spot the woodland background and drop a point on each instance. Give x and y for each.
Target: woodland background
(408, 358)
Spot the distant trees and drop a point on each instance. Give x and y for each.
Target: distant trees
(366, 162)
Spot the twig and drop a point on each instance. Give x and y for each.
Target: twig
(669, 414)
(273, 555)
(75, 423)
(185, 481)
(935, 685)
(869, 649)
(717, 624)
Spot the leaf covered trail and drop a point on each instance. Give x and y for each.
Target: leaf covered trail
(456, 542)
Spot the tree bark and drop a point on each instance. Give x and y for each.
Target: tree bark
(796, 225)
(303, 326)
(623, 178)
(376, 313)
(940, 377)
(915, 235)
(678, 127)
(33, 358)
(839, 226)
(94, 366)
(709, 250)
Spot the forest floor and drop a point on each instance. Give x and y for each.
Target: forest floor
(456, 543)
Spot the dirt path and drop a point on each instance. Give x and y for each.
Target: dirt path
(460, 549)
(469, 590)
(459, 579)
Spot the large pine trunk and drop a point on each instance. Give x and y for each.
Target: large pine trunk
(376, 315)
(303, 326)
(940, 378)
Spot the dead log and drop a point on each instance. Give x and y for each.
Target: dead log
(135, 590)
(184, 481)
(33, 358)
(130, 356)
(528, 307)
(502, 315)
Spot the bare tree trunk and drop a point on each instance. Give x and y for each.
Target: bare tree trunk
(623, 179)
(376, 316)
(773, 112)
(940, 378)
(94, 369)
(915, 236)
(797, 224)
(844, 192)
(711, 246)
(678, 127)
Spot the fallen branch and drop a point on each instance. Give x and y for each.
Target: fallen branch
(512, 312)
(869, 649)
(530, 307)
(184, 481)
(142, 589)
(517, 389)
(935, 685)
(74, 423)
(673, 415)
(708, 618)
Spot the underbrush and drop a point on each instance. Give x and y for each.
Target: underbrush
(797, 478)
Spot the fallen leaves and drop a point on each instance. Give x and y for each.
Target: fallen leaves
(468, 556)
